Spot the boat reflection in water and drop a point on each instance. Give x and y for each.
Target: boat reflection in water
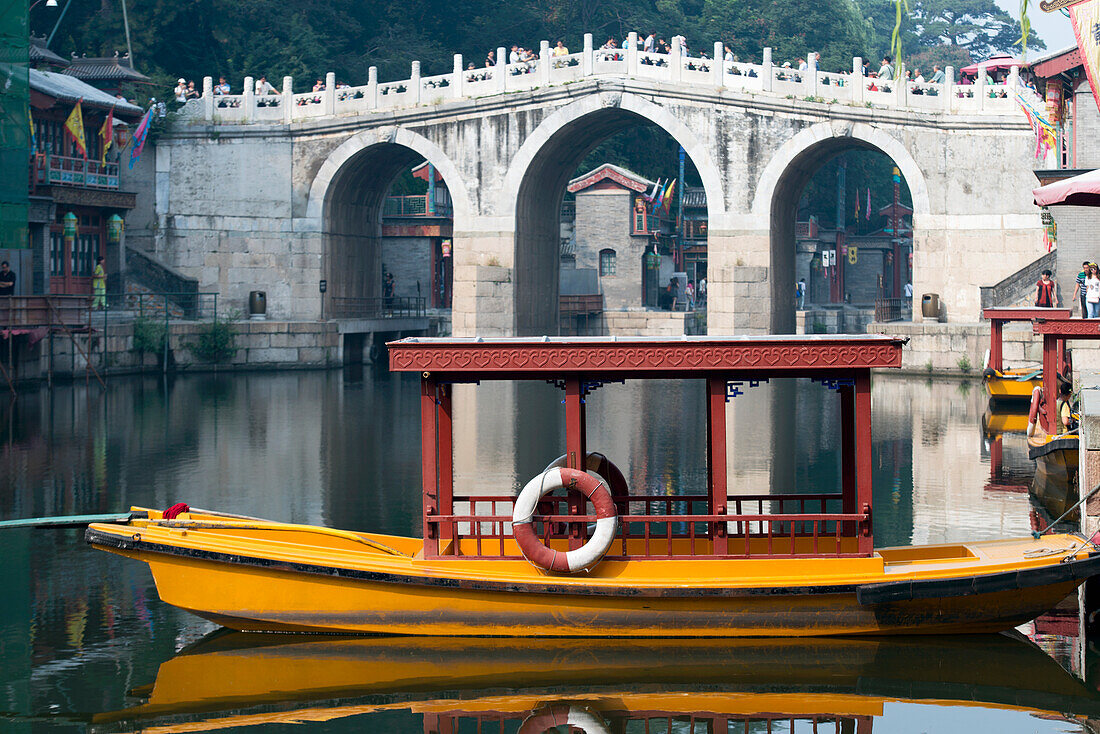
(233, 680)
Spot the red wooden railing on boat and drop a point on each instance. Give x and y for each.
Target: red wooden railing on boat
(651, 722)
(677, 526)
(712, 525)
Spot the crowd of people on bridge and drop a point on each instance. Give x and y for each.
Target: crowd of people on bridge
(655, 51)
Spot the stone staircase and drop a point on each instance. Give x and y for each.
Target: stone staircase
(1018, 289)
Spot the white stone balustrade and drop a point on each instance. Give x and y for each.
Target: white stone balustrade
(630, 63)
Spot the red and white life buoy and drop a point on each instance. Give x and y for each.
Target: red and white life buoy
(1034, 413)
(597, 462)
(588, 555)
(562, 716)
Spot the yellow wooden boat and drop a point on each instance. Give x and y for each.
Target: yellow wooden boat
(1013, 384)
(688, 565)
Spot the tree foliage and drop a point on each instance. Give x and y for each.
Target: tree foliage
(936, 29)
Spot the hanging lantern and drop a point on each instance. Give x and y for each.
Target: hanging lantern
(68, 225)
(1054, 102)
(114, 228)
(445, 247)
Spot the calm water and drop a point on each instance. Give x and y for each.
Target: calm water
(86, 645)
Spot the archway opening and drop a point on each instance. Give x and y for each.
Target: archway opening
(387, 228)
(841, 240)
(599, 233)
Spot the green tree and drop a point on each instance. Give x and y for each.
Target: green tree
(937, 29)
(836, 29)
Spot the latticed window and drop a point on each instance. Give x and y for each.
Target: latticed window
(607, 262)
(639, 221)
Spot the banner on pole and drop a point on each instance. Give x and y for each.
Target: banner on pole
(1086, 27)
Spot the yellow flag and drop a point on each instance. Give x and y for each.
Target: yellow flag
(107, 133)
(75, 126)
(1086, 26)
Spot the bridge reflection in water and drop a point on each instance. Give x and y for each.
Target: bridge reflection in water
(452, 685)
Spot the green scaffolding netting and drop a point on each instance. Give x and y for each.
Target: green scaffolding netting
(15, 128)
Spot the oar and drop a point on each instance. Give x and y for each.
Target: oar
(65, 521)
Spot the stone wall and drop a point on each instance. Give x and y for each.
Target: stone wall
(645, 323)
(260, 345)
(943, 346)
(410, 261)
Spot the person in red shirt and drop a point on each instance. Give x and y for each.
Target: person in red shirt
(1046, 291)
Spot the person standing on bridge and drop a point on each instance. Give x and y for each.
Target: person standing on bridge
(650, 43)
(937, 74)
(886, 71)
(1046, 291)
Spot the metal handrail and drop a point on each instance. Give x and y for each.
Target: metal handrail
(347, 307)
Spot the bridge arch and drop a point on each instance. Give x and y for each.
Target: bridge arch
(346, 197)
(786, 175)
(539, 171)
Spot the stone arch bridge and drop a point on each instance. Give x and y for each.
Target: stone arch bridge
(277, 192)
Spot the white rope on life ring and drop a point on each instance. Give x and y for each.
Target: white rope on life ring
(563, 715)
(592, 486)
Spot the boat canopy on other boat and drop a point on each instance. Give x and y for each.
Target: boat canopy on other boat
(1015, 383)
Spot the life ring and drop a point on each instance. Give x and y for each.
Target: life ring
(1033, 412)
(565, 716)
(588, 555)
(597, 462)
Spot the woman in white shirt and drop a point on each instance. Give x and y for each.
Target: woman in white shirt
(1092, 292)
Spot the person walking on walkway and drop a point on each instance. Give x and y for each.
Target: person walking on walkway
(1079, 289)
(1092, 291)
(99, 285)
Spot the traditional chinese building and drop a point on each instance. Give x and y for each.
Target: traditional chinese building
(1059, 76)
(77, 204)
(416, 240)
(111, 74)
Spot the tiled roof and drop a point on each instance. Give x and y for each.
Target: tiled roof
(70, 89)
(104, 69)
(40, 53)
(621, 176)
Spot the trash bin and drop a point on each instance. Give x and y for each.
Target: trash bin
(257, 305)
(930, 305)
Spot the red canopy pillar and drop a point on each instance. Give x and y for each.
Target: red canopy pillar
(996, 358)
(1050, 379)
(429, 470)
(716, 460)
(576, 451)
(863, 459)
(445, 457)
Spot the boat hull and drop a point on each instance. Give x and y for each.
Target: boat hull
(1055, 486)
(264, 594)
(1010, 385)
